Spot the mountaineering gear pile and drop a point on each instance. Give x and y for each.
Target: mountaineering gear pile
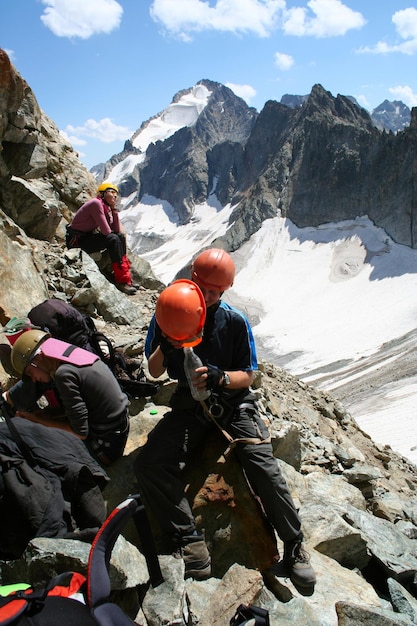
(65, 322)
(44, 473)
(60, 603)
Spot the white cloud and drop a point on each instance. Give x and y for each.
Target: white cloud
(10, 54)
(180, 17)
(283, 61)
(81, 18)
(103, 130)
(405, 22)
(405, 94)
(72, 139)
(363, 101)
(331, 18)
(247, 92)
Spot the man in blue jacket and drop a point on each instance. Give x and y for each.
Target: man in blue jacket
(227, 350)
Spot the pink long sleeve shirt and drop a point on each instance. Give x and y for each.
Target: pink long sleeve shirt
(95, 215)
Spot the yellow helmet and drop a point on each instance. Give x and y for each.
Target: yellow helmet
(25, 347)
(106, 186)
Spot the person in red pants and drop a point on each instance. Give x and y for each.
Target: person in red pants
(96, 226)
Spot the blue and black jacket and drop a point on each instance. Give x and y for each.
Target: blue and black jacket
(227, 343)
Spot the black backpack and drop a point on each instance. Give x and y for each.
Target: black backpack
(63, 321)
(53, 605)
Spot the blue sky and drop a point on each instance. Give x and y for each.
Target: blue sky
(99, 68)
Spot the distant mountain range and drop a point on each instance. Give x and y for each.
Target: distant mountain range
(314, 159)
(391, 116)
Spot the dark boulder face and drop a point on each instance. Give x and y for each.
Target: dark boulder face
(322, 162)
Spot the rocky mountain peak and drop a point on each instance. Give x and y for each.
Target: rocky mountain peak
(393, 116)
(390, 116)
(175, 165)
(322, 106)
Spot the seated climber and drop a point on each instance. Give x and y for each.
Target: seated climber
(224, 341)
(92, 404)
(96, 226)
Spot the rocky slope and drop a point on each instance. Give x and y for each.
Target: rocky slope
(357, 499)
(41, 178)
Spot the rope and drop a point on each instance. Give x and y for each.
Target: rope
(232, 442)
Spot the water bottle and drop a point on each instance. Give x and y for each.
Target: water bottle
(191, 362)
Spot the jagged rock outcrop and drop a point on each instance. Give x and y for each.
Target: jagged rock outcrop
(41, 177)
(326, 162)
(390, 116)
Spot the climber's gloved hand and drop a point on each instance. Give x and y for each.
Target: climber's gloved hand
(166, 346)
(214, 376)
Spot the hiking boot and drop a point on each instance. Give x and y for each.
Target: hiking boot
(196, 558)
(297, 561)
(129, 290)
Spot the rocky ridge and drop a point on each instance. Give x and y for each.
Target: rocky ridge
(390, 116)
(323, 161)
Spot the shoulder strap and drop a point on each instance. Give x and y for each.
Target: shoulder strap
(32, 600)
(250, 614)
(98, 581)
(106, 354)
(23, 447)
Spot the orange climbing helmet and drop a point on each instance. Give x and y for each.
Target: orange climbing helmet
(214, 269)
(181, 312)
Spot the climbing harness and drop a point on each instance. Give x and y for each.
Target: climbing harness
(215, 411)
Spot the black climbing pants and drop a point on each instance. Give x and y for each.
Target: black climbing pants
(160, 463)
(115, 243)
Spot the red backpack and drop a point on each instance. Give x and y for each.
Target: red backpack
(71, 599)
